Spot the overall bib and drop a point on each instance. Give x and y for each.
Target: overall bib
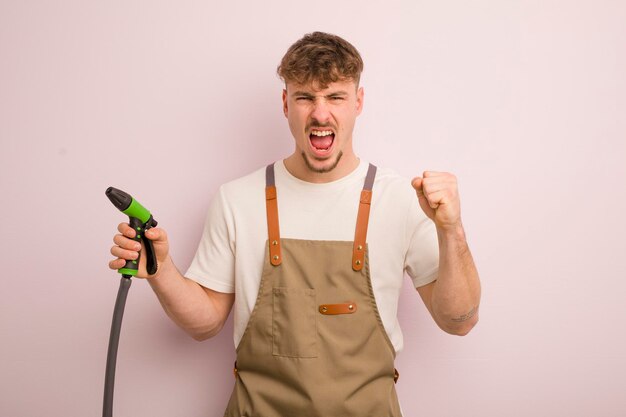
(315, 345)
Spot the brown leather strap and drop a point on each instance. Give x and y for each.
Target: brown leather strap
(362, 220)
(271, 205)
(332, 309)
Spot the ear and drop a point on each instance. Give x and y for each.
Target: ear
(285, 108)
(359, 100)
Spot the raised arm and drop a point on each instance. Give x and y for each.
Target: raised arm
(453, 299)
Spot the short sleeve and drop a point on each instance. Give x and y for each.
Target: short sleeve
(213, 265)
(422, 257)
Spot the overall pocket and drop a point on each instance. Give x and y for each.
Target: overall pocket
(294, 330)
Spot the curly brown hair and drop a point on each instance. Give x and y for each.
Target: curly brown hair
(322, 58)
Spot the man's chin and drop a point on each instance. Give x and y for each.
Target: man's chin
(322, 166)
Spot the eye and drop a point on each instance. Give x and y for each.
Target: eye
(304, 98)
(336, 98)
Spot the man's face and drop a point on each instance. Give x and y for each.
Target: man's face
(322, 120)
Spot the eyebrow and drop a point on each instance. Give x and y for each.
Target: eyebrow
(307, 94)
(303, 93)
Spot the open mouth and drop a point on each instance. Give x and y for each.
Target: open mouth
(321, 141)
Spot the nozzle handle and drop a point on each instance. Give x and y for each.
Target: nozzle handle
(131, 267)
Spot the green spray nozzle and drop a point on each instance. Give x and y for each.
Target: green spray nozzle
(128, 205)
(140, 219)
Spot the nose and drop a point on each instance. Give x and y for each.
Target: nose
(321, 111)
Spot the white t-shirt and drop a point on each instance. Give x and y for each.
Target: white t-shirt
(400, 237)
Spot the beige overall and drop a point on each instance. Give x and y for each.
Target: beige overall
(315, 344)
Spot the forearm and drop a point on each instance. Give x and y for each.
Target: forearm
(186, 302)
(456, 295)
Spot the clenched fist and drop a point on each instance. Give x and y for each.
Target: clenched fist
(439, 198)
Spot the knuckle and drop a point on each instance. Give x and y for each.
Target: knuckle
(126, 230)
(127, 243)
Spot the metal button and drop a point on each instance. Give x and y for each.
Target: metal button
(274, 242)
(275, 257)
(359, 247)
(324, 309)
(350, 307)
(358, 262)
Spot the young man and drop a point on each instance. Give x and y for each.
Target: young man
(316, 289)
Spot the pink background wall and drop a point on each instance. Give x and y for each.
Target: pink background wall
(524, 101)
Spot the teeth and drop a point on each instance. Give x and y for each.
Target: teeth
(321, 132)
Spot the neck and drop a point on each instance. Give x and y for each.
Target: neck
(297, 167)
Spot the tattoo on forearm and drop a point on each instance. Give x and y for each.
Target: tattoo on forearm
(466, 316)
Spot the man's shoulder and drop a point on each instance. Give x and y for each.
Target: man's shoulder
(387, 174)
(246, 183)
(389, 180)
